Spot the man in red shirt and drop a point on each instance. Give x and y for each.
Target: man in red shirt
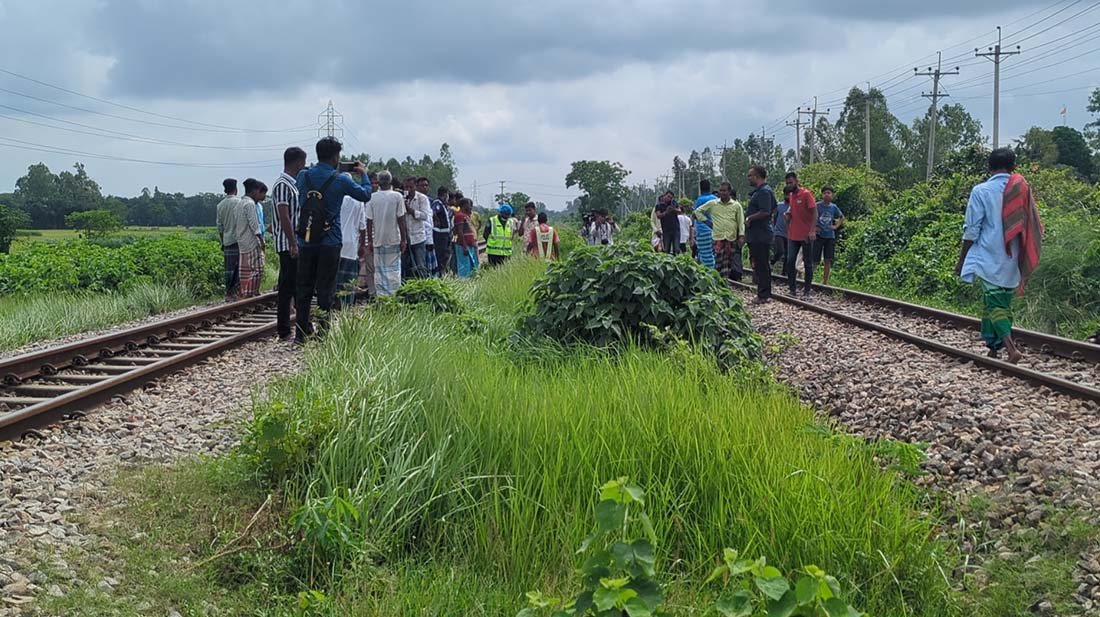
(801, 218)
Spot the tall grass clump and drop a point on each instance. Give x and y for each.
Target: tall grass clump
(459, 446)
(26, 319)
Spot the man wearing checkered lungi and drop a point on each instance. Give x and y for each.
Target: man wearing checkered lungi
(387, 234)
(250, 237)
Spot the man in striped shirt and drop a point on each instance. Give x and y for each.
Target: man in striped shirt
(284, 195)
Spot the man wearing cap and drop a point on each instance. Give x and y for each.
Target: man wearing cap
(498, 236)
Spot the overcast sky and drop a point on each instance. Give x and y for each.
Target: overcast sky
(519, 89)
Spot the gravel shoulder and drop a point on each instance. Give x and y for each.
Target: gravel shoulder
(198, 411)
(988, 434)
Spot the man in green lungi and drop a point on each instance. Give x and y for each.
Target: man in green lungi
(1000, 248)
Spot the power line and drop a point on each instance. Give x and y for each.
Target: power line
(28, 145)
(143, 111)
(136, 120)
(111, 134)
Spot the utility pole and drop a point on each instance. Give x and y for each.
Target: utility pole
(330, 122)
(813, 114)
(867, 126)
(935, 96)
(502, 197)
(797, 124)
(475, 191)
(722, 163)
(995, 53)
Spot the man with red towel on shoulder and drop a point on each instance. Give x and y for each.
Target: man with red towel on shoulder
(1002, 238)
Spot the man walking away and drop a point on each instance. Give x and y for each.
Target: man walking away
(226, 215)
(829, 219)
(284, 194)
(418, 211)
(801, 232)
(250, 237)
(442, 223)
(669, 217)
(319, 233)
(1002, 237)
(387, 234)
(498, 236)
(353, 226)
(543, 240)
(758, 231)
(728, 230)
(465, 240)
(779, 230)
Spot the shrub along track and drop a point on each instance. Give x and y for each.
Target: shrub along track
(994, 434)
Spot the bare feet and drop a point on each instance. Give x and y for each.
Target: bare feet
(1015, 356)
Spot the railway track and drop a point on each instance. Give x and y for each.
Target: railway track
(45, 386)
(42, 387)
(1063, 365)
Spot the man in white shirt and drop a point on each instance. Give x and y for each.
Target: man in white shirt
(687, 231)
(353, 227)
(387, 235)
(418, 211)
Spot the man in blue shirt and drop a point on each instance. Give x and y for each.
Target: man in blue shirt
(986, 260)
(318, 260)
(829, 219)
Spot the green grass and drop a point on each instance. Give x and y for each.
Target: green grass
(26, 237)
(477, 451)
(28, 319)
(473, 461)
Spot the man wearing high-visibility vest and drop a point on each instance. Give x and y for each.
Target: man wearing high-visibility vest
(498, 236)
(542, 240)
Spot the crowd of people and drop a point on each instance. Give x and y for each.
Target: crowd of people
(344, 234)
(717, 228)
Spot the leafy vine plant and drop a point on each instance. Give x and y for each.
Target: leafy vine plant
(618, 577)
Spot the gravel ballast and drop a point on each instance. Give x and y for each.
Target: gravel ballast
(197, 411)
(987, 433)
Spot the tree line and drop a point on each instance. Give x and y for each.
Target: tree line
(43, 199)
(898, 153)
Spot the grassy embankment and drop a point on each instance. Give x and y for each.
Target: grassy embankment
(437, 470)
(59, 286)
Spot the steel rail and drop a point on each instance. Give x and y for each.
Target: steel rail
(1054, 383)
(1046, 343)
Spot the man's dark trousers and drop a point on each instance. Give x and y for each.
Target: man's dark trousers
(759, 254)
(793, 247)
(288, 288)
(316, 275)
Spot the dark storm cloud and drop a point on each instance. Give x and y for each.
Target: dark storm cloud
(893, 11)
(201, 48)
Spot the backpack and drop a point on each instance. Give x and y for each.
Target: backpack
(313, 221)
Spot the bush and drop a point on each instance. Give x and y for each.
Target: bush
(437, 294)
(10, 222)
(85, 266)
(910, 248)
(94, 223)
(608, 296)
(857, 191)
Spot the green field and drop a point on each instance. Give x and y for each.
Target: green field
(27, 237)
